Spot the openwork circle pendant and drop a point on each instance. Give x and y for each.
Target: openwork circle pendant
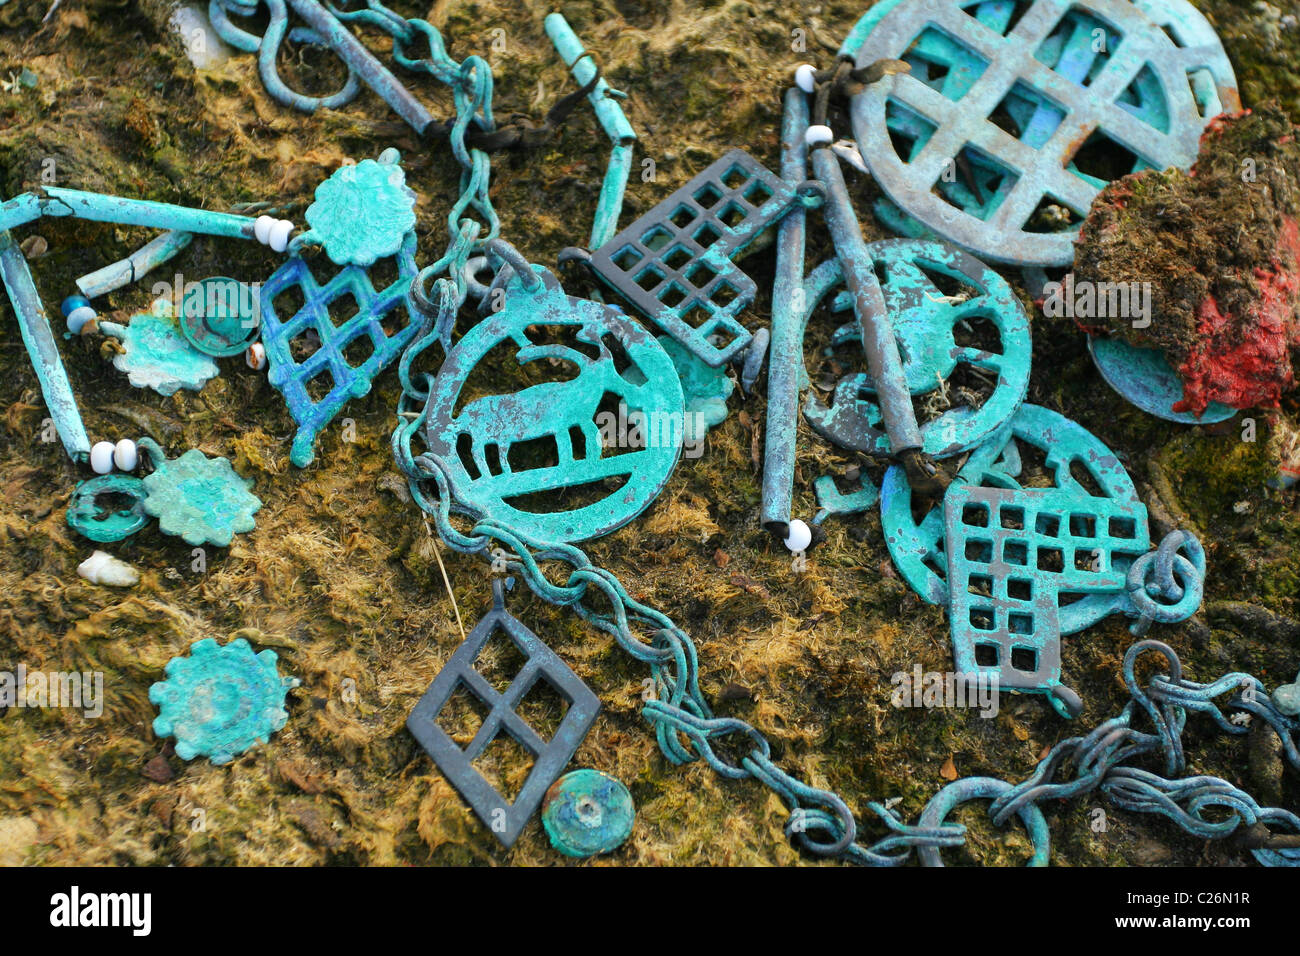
(1007, 126)
(586, 444)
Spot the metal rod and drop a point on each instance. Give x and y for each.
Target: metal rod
(19, 211)
(143, 212)
(612, 119)
(128, 270)
(610, 205)
(878, 341)
(373, 73)
(785, 355)
(602, 98)
(42, 350)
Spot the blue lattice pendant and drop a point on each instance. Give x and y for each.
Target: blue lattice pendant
(344, 334)
(986, 141)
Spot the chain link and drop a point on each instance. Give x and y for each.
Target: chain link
(685, 728)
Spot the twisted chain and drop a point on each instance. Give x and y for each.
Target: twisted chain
(685, 728)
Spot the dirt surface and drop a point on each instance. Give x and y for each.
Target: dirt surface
(342, 579)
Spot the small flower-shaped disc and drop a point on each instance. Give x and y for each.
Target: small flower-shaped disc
(362, 212)
(220, 701)
(200, 499)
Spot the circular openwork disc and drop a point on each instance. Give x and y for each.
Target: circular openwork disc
(934, 293)
(219, 316)
(108, 508)
(917, 548)
(997, 128)
(576, 455)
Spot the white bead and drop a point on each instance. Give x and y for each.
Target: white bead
(262, 228)
(800, 536)
(255, 356)
(101, 457)
(817, 135)
(805, 77)
(78, 318)
(278, 239)
(125, 455)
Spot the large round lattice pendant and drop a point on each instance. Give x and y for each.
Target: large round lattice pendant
(1006, 128)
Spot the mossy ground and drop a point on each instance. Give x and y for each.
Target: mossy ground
(342, 579)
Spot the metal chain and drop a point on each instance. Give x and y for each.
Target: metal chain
(685, 728)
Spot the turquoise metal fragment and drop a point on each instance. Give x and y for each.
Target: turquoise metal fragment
(362, 213)
(559, 438)
(220, 700)
(219, 316)
(587, 813)
(42, 350)
(156, 355)
(1145, 378)
(1013, 554)
(200, 499)
(89, 514)
(704, 389)
(1287, 698)
(917, 547)
(996, 119)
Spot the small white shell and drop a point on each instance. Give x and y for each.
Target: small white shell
(805, 77)
(800, 536)
(101, 457)
(78, 317)
(102, 568)
(255, 356)
(817, 135)
(125, 455)
(262, 228)
(278, 238)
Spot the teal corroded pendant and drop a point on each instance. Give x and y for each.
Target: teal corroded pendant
(219, 316)
(108, 508)
(220, 700)
(573, 456)
(704, 389)
(363, 212)
(587, 813)
(156, 355)
(200, 499)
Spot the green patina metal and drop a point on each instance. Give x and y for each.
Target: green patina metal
(1045, 72)
(1012, 553)
(219, 316)
(34, 324)
(362, 212)
(917, 546)
(156, 355)
(108, 508)
(220, 700)
(571, 425)
(587, 813)
(1145, 378)
(1287, 698)
(925, 323)
(200, 499)
(704, 389)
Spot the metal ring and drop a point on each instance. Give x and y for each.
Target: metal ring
(982, 788)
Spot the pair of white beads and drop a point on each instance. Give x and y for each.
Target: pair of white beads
(805, 77)
(105, 455)
(272, 232)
